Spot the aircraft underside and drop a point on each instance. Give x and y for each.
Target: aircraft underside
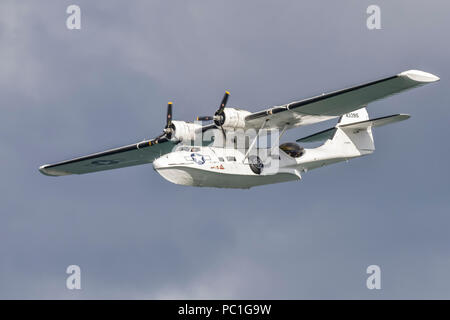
(201, 178)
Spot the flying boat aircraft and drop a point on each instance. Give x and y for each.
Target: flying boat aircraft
(226, 152)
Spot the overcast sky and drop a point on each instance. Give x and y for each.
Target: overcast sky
(66, 93)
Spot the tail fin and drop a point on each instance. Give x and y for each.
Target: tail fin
(361, 137)
(353, 131)
(354, 116)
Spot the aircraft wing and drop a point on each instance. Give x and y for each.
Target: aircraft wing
(130, 155)
(337, 103)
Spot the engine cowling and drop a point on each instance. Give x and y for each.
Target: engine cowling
(233, 118)
(184, 131)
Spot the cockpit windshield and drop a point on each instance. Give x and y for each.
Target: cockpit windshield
(188, 149)
(292, 149)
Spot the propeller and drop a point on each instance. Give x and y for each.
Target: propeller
(169, 128)
(219, 115)
(169, 115)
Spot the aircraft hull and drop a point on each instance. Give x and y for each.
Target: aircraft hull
(189, 176)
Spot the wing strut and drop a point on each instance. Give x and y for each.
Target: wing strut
(254, 141)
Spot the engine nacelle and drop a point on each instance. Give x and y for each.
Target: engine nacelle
(184, 131)
(234, 118)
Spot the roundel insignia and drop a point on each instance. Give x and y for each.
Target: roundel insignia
(104, 162)
(198, 158)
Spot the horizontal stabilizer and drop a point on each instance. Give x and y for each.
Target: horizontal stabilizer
(378, 122)
(319, 136)
(329, 133)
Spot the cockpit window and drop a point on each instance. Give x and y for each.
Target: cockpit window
(188, 149)
(292, 149)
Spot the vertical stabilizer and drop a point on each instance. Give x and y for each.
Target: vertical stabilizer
(361, 138)
(354, 116)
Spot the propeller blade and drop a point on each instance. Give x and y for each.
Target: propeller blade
(224, 102)
(205, 118)
(169, 115)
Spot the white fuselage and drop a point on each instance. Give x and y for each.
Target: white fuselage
(230, 168)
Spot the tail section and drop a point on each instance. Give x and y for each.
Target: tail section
(360, 137)
(354, 116)
(352, 136)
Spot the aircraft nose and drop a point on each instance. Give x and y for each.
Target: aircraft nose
(157, 163)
